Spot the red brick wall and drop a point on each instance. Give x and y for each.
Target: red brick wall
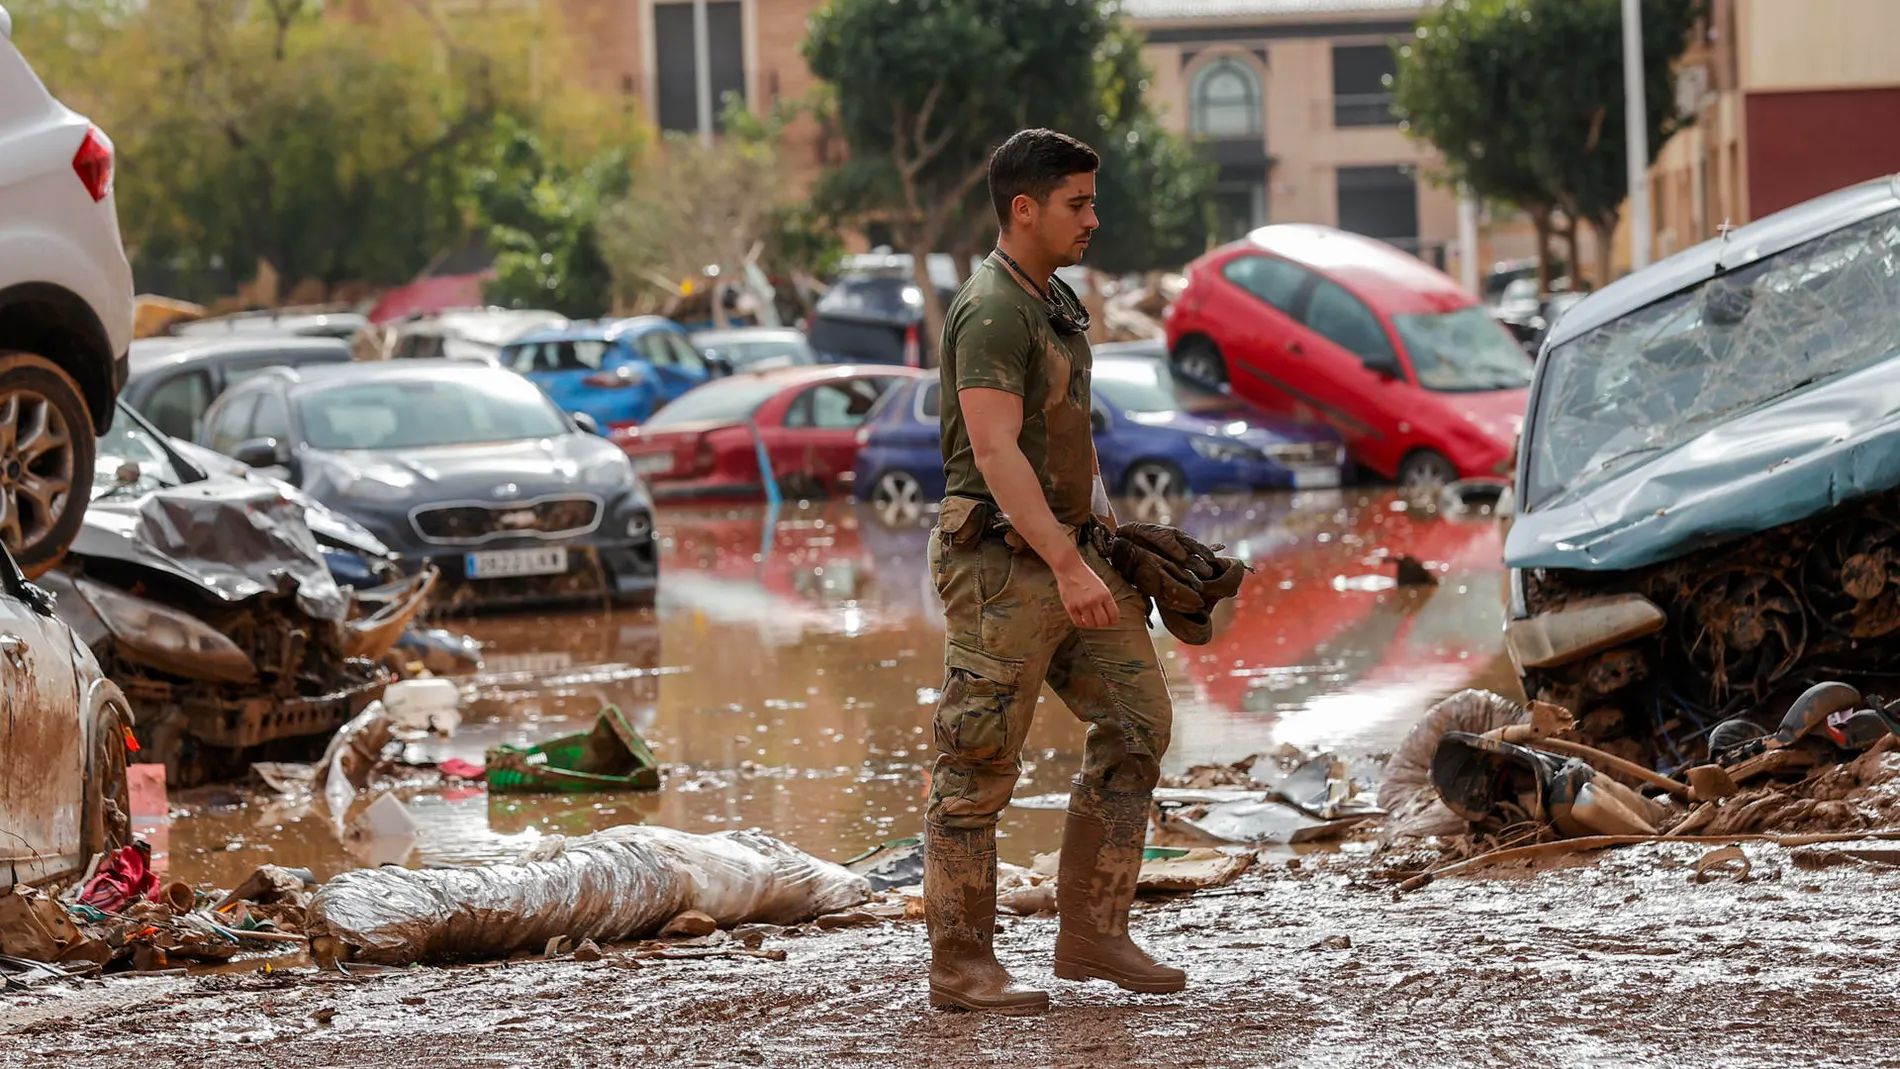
(1801, 145)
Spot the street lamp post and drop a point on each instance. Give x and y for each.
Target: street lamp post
(1636, 129)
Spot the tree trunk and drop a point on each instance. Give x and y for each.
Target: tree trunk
(1575, 265)
(1606, 247)
(919, 240)
(1540, 220)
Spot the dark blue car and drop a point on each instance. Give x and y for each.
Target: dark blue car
(617, 371)
(1158, 439)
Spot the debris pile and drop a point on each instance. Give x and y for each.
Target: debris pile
(122, 917)
(1499, 779)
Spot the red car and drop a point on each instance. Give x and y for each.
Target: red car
(705, 444)
(1331, 327)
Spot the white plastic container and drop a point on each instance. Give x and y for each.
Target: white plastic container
(431, 705)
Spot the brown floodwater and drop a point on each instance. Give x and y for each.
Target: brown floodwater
(788, 674)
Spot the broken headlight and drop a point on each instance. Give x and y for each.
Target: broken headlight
(166, 639)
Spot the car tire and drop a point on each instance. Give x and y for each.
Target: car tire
(40, 397)
(108, 807)
(1154, 482)
(1199, 360)
(1427, 470)
(898, 497)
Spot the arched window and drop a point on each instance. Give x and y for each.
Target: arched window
(1226, 100)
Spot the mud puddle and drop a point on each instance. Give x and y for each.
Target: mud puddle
(788, 674)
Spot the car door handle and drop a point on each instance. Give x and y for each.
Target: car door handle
(1296, 348)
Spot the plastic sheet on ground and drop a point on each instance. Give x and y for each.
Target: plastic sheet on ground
(618, 884)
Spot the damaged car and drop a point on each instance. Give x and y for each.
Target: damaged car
(1709, 484)
(63, 742)
(211, 601)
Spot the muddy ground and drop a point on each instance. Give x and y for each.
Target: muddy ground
(787, 676)
(1619, 961)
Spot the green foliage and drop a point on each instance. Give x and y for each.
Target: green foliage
(271, 133)
(541, 217)
(925, 89)
(1524, 98)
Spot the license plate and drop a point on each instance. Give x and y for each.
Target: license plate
(653, 463)
(1315, 478)
(509, 664)
(511, 563)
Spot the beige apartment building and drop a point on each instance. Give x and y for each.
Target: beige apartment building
(1290, 98)
(1791, 100)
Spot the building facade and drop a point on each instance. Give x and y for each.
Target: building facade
(1291, 99)
(1790, 101)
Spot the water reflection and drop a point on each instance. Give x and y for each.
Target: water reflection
(789, 671)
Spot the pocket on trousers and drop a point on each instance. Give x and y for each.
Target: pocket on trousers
(978, 693)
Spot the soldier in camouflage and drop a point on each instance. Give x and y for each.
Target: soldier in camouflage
(1028, 599)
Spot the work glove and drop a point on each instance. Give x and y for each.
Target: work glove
(1153, 575)
(1172, 544)
(1194, 628)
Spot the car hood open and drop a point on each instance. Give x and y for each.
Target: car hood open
(1785, 461)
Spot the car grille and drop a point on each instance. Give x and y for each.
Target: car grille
(476, 523)
(1307, 454)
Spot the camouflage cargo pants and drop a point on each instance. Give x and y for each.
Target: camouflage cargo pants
(1006, 632)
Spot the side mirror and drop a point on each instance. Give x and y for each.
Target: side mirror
(261, 453)
(1385, 369)
(1099, 420)
(718, 365)
(587, 423)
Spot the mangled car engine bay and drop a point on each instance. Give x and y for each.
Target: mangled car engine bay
(212, 604)
(1711, 482)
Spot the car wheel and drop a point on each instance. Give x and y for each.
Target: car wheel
(898, 498)
(1427, 470)
(108, 807)
(46, 454)
(1199, 360)
(1154, 482)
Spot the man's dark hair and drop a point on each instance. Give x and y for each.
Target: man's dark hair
(1034, 163)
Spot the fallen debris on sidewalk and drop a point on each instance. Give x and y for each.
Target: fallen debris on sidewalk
(618, 884)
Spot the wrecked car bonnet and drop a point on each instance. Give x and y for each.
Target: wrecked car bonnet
(1783, 462)
(235, 540)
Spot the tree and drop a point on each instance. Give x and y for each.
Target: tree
(276, 134)
(541, 216)
(697, 207)
(1522, 98)
(926, 88)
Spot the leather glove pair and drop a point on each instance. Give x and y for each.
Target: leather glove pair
(1184, 577)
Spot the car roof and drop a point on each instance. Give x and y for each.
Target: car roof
(1384, 275)
(732, 334)
(323, 376)
(597, 330)
(1740, 247)
(800, 374)
(153, 354)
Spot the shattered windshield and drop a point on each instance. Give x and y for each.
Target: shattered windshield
(129, 442)
(1646, 383)
(1463, 352)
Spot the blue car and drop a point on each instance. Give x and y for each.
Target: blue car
(618, 371)
(1158, 440)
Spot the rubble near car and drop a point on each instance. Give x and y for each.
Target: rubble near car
(213, 605)
(1709, 488)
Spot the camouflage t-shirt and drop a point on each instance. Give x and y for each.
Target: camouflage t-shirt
(997, 335)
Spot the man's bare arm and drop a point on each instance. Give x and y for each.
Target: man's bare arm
(994, 419)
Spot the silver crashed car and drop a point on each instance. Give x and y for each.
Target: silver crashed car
(64, 795)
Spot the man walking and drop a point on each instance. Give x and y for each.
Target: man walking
(1027, 598)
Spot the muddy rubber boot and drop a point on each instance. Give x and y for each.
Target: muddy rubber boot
(1095, 886)
(960, 911)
